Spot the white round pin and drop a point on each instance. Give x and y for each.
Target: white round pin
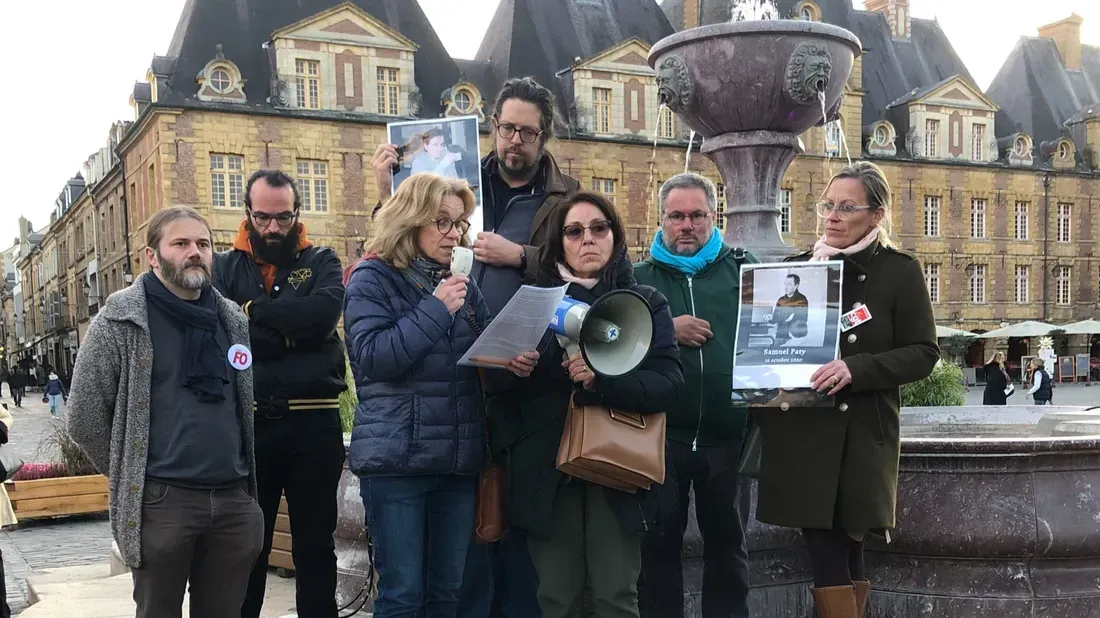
(240, 357)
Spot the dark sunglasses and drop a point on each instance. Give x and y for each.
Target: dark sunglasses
(599, 229)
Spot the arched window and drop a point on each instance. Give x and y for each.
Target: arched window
(1020, 147)
(807, 14)
(880, 135)
(1063, 150)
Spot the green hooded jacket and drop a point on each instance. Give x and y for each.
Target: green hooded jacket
(706, 416)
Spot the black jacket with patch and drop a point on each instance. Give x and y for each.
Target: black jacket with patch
(298, 357)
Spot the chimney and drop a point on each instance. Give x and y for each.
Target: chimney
(897, 15)
(1067, 36)
(692, 17)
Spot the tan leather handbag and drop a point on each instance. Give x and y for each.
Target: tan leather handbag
(489, 524)
(613, 448)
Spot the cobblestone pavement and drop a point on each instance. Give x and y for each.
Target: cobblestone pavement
(45, 544)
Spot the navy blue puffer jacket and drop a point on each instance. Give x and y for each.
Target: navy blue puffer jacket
(419, 412)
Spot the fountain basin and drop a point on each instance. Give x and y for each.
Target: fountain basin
(353, 565)
(750, 89)
(754, 75)
(991, 521)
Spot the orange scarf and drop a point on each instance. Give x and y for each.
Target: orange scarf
(268, 271)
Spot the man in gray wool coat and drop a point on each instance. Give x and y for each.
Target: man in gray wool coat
(161, 401)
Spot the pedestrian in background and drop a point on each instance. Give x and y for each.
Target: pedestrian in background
(55, 393)
(1042, 387)
(996, 381)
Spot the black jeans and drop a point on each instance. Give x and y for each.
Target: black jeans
(302, 454)
(209, 538)
(722, 510)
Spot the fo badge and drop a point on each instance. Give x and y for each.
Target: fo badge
(240, 357)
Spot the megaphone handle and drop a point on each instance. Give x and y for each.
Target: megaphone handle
(572, 348)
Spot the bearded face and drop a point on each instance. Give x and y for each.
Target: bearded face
(274, 247)
(188, 273)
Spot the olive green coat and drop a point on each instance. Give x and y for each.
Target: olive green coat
(838, 467)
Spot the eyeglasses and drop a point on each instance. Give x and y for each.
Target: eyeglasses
(697, 217)
(599, 229)
(264, 219)
(527, 135)
(825, 209)
(445, 225)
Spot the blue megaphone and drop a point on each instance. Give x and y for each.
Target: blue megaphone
(614, 334)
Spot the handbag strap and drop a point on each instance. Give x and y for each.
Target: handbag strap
(469, 316)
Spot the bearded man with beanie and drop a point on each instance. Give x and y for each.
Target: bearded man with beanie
(701, 277)
(292, 293)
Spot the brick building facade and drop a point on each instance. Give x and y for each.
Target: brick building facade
(999, 208)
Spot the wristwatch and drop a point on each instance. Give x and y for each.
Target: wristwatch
(523, 259)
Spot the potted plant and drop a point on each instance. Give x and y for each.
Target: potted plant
(70, 485)
(945, 386)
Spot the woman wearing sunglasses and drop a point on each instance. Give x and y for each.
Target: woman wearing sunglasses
(419, 439)
(833, 472)
(579, 533)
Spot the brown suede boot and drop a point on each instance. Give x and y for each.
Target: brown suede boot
(835, 602)
(863, 592)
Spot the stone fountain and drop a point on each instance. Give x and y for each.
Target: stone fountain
(750, 88)
(998, 508)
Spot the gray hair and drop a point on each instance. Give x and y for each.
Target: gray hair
(689, 181)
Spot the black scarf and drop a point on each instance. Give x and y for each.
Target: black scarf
(204, 371)
(424, 273)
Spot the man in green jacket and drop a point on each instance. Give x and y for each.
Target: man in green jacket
(700, 275)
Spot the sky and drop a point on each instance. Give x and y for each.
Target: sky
(82, 74)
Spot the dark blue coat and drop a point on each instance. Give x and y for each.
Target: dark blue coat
(419, 412)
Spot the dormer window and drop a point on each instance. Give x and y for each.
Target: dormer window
(307, 83)
(880, 136)
(389, 90)
(931, 138)
(1063, 151)
(219, 80)
(1020, 147)
(463, 101)
(808, 11)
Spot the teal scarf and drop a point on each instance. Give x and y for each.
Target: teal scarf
(689, 265)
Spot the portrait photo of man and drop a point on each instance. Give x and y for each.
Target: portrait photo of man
(791, 307)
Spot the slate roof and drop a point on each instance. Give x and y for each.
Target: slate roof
(1037, 92)
(243, 26)
(892, 68)
(480, 74)
(539, 38)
